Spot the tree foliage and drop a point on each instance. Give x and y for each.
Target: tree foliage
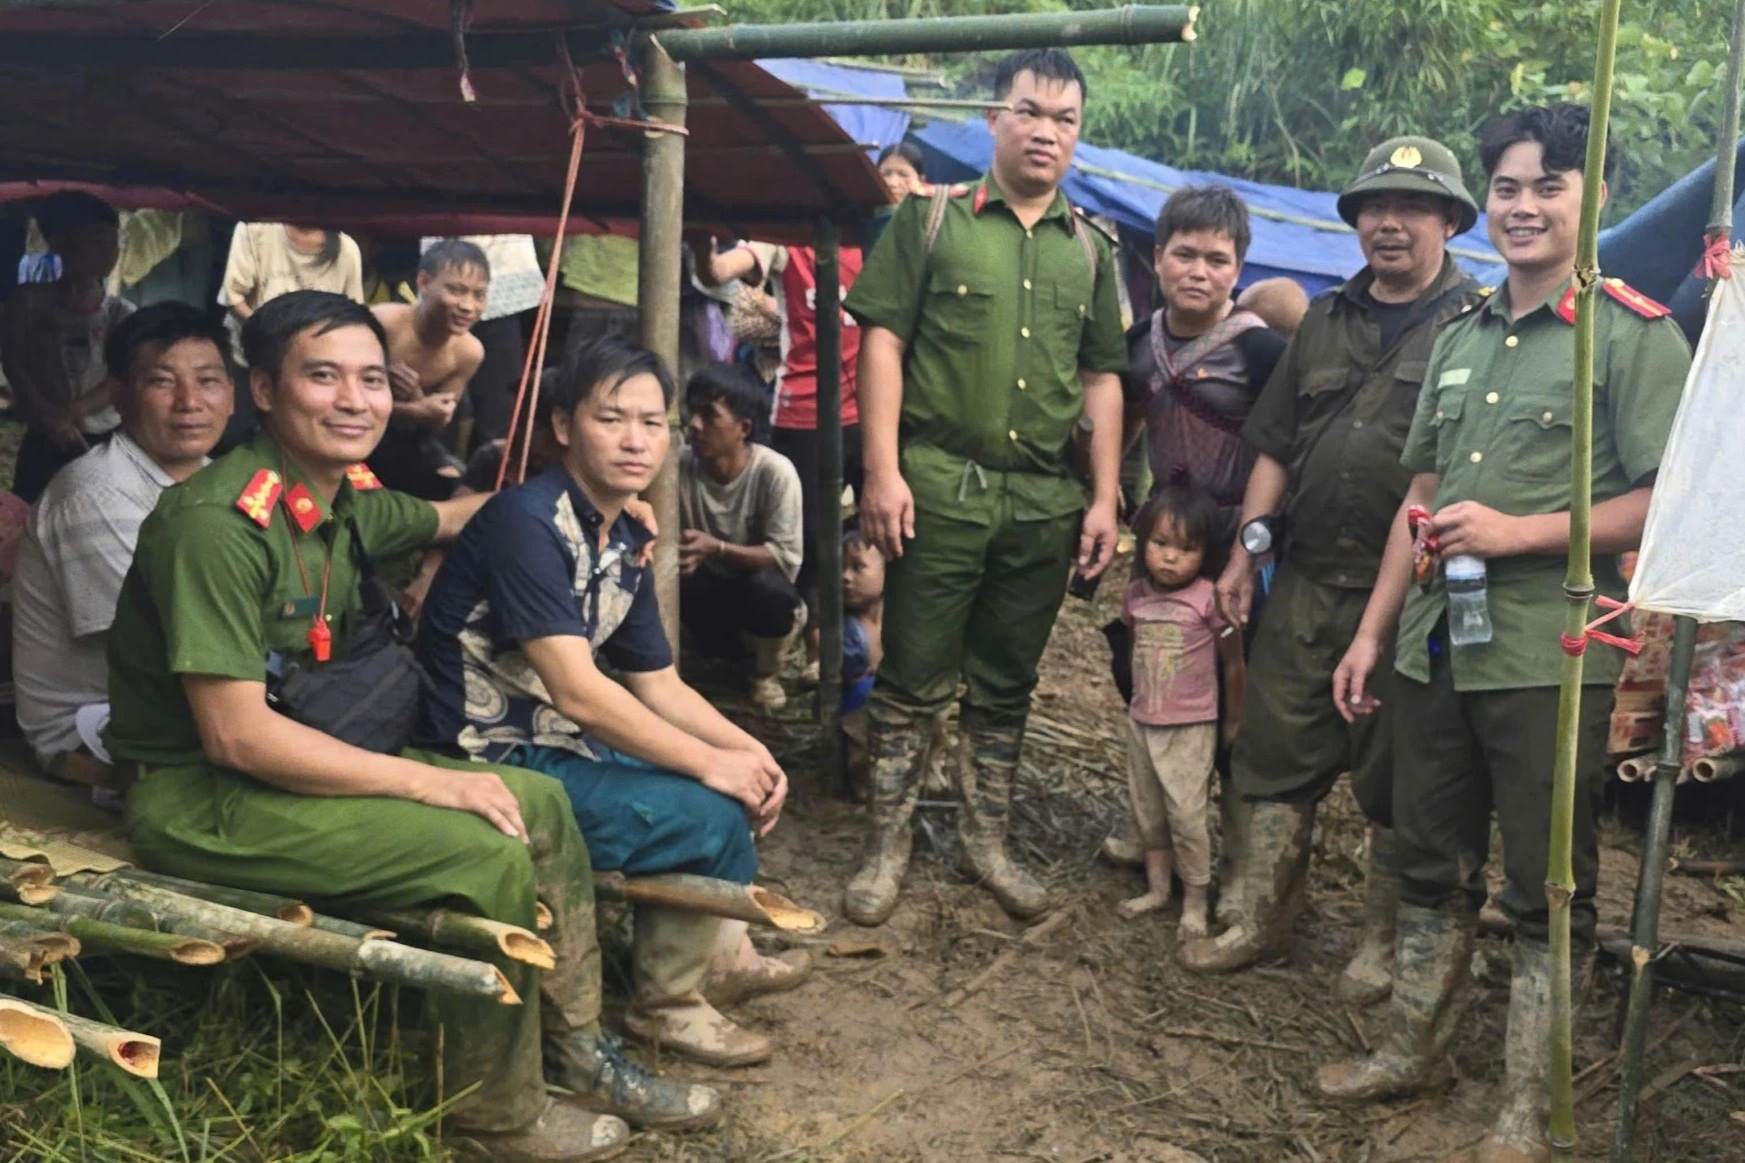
(1297, 91)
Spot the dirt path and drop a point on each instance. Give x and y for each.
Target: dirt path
(1086, 1044)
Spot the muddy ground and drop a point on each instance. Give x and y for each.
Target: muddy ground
(1085, 1043)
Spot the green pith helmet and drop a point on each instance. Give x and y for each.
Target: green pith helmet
(1419, 165)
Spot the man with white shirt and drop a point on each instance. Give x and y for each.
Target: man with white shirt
(173, 390)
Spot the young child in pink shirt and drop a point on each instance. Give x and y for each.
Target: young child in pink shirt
(1179, 643)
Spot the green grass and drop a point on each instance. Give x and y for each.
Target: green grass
(261, 1062)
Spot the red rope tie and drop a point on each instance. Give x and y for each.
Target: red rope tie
(1576, 647)
(1717, 260)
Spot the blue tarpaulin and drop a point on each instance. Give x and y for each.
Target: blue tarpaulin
(874, 125)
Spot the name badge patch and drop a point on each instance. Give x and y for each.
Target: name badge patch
(1454, 377)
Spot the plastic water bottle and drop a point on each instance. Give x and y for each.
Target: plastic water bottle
(1469, 615)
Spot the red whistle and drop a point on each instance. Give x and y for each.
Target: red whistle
(321, 641)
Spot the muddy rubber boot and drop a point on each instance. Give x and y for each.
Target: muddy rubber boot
(564, 1132)
(1235, 817)
(1271, 888)
(1519, 1135)
(670, 951)
(593, 1068)
(1369, 978)
(737, 971)
(898, 750)
(987, 761)
(767, 694)
(1432, 980)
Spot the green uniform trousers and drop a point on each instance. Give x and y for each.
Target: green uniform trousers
(207, 823)
(1463, 754)
(973, 603)
(1293, 744)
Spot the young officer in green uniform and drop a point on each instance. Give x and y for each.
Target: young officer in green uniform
(254, 556)
(1327, 432)
(991, 323)
(1475, 724)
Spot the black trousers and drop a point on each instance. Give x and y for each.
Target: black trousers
(1461, 754)
(492, 388)
(819, 516)
(716, 608)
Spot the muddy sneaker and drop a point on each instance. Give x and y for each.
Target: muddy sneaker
(564, 1132)
(594, 1069)
(776, 974)
(698, 1031)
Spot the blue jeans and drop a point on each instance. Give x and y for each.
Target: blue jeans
(640, 820)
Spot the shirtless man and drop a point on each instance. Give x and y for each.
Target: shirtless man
(433, 354)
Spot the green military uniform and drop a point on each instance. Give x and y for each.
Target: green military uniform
(1475, 725)
(998, 320)
(1335, 413)
(216, 585)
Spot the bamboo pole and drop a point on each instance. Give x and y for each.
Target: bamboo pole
(1645, 936)
(21, 958)
(659, 271)
(385, 961)
(136, 1054)
(351, 929)
(55, 945)
(105, 937)
(542, 918)
(1578, 587)
(32, 1035)
(26, 881)
(80, 901)
(706, 894)
(826, 242)
(473, 934)
(292, 912)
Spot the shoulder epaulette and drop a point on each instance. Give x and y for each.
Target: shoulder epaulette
(260, 496)
(1635, 300)
(361, 478)
(1097, 224)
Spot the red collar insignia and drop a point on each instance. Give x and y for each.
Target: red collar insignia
(259, 497)
(981, 198)
(304, 509)
(361, 478)
(1566, 306)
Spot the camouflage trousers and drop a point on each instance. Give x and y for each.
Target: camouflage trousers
(204, 822)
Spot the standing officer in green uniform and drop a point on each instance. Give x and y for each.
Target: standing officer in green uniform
(1327, 432)
(991, 323)
(1475, 724)
(254, 556)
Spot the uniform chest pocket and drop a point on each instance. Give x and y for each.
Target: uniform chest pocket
(285, 624)
(961, 308)
(1535, 438)
(1397, 410)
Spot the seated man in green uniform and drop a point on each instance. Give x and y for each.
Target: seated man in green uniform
(1475, 714)
(992, 323)
(259, 555)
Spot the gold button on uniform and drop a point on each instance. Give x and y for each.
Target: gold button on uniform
(1021, 385)
(1546, 417)
(1012, 435)
(1477, 456)
(1026, 284)
(1512, 341)
(1028, 233)
(1024, 331)
(1491, 398)
(962, 290)
(1081, 308)
(1439, 416)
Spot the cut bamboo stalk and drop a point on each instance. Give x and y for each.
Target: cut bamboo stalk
(1706, 867)
(1710, 768)
(351, 929)
(34, 1036)
(26, 881)
(542, 918)
(385, 961)
(706, 894)
(104, 937)
(137, 1054)
(286, 909)
(19, 958)
(56, 946)
(1635, 769)
(80, 901)
(473, 934)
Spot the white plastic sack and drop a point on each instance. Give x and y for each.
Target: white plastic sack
(1693, 557)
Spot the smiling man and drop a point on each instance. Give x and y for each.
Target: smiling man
(173, 389)
(1326, 433)
(991, 323)
(258, 566)
(548, 577)
(1475, 724)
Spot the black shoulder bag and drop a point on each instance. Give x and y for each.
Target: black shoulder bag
(370, 697)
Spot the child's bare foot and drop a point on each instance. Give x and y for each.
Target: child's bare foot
(1193, 922)
(1140, 905)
